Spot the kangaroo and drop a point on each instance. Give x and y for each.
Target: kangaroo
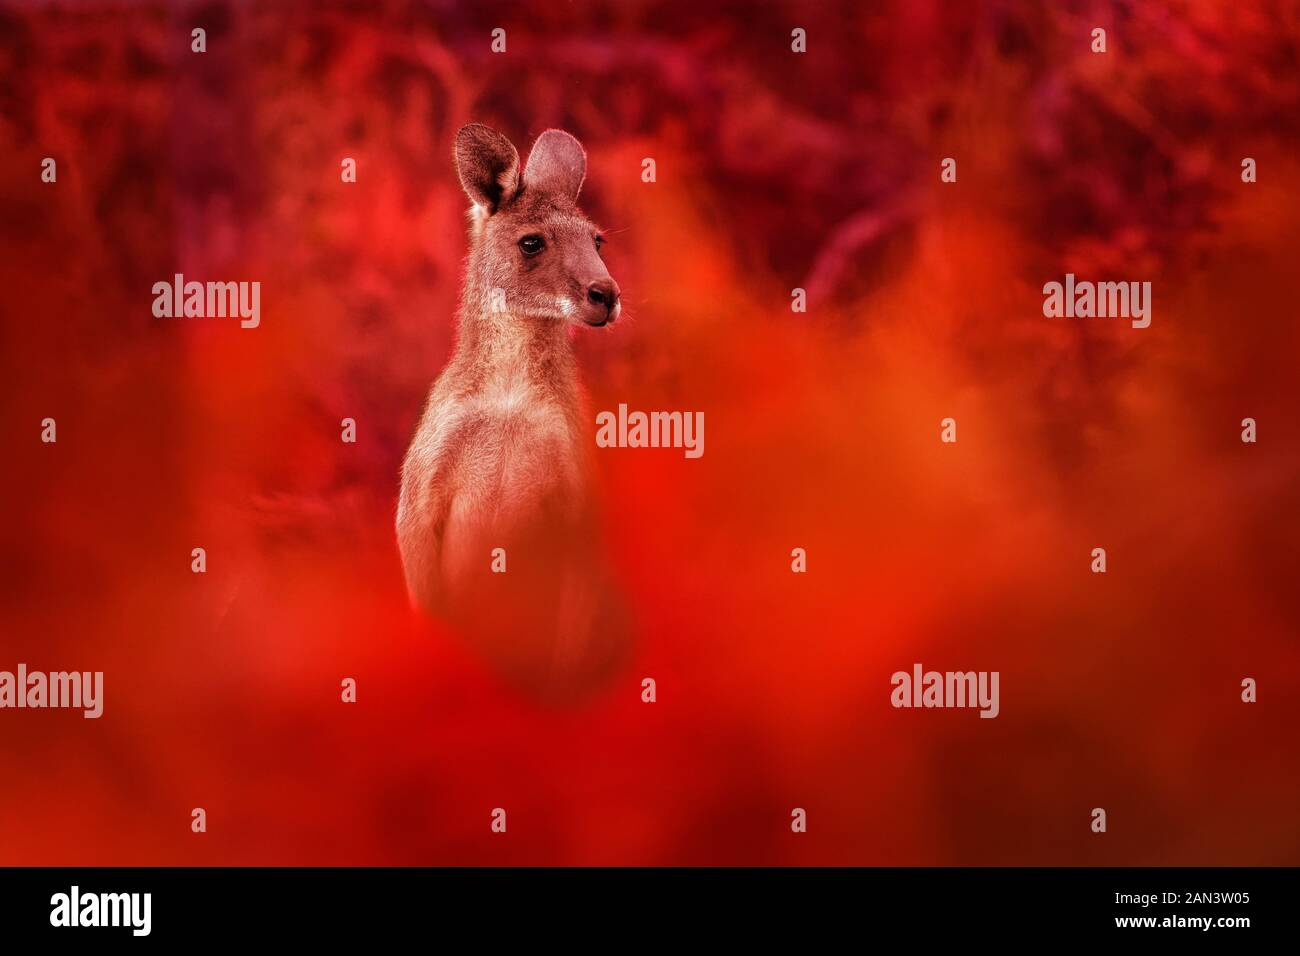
(500, 456)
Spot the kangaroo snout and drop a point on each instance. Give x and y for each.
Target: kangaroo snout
(602, 302)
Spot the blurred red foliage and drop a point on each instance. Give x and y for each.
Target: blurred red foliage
(775, 170)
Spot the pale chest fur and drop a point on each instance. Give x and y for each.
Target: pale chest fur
(506, 451)
(498, 460)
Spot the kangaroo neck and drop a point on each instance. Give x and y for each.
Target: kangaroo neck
(500, 348)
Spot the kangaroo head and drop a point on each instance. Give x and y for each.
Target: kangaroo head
(531, 245)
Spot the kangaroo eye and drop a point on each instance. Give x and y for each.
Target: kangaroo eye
(600, 241)
(531, 245)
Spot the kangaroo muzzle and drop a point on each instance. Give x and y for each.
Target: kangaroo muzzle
(602, 305)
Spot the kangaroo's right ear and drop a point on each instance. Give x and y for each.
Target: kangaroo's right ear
(488, 166)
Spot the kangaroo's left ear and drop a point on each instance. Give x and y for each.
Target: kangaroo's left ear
(488, 166)
(557, 163)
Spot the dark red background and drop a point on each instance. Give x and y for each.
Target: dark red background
(775, 170)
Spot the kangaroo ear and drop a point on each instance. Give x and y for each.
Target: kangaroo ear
(487, 164)
(557, 163)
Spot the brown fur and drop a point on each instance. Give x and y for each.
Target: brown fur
(499, 458)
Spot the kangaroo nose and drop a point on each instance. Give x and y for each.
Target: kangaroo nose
(604, 293)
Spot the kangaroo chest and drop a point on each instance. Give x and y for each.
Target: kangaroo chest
(512, 448)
